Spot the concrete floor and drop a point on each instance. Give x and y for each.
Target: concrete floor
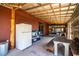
(37, 49)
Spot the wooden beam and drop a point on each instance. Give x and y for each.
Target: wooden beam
(51, 17)
(55, 12)
(39, 4)
(75, 14)
(54, 15)
(67, 12)
(43, 8)
(50, 9)
(62, 16)
(60, 11)
(12, 39)
(10, 5)
(36, 7)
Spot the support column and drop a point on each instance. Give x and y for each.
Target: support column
(69, 35)
(66, 49)
(55, 48)
(12, 27)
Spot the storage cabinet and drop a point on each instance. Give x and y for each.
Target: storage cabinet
(23, 36)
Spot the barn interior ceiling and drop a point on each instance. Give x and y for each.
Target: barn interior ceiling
(55, 13)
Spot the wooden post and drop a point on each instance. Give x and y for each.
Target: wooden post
(12, 39)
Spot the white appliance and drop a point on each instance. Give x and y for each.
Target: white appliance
(23, 36)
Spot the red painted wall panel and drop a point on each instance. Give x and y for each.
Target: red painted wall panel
(24, 17)
(46, 29)
(21, 17)
(5, 17)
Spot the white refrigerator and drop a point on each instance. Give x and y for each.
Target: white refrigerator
(23, 36)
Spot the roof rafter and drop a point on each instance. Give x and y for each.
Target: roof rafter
(60, 11)
(55, 12)
(68, 10)
(50, 9)
(36, 6)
